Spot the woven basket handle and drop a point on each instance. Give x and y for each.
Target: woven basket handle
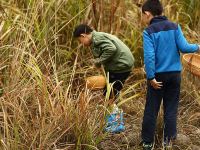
(190, 62)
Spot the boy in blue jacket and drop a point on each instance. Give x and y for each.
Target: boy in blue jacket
(163, 41)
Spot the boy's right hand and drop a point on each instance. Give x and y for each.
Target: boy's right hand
(95, 62)
(156, 85)
(96, 68)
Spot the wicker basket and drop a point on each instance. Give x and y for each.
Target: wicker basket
(192, 63)
(96, 82)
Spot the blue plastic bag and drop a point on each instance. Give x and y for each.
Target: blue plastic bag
(114, 121)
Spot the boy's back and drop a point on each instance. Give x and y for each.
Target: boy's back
(121, 59)
(162, 41)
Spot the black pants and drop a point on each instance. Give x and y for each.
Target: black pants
(118, 80)
(170, 95)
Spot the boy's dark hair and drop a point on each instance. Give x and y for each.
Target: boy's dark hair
(153, 6)
(82, 28)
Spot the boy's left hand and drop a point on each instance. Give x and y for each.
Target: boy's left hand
(96, 62)
(156, 84)
(96, 68)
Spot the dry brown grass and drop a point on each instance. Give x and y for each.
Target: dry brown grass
(45, 104)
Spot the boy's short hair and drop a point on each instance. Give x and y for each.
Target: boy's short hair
(82, 29)
(153, 6)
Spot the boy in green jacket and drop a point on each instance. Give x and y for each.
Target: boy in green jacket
(117, 60)
(108, 51)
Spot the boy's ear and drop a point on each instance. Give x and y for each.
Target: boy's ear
(82, 35)
(147, 13)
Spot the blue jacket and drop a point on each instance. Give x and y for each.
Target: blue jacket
(163, 41)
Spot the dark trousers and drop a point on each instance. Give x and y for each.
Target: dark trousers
(118, 80)
(170, 95)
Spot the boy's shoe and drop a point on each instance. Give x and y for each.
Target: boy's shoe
(147, 146)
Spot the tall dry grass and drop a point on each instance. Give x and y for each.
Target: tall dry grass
(45, 104)
(41, 108)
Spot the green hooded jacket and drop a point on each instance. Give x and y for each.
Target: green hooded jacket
(111, 52)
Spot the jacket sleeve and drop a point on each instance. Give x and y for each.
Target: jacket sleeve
(183, 44)
(149, 56)
(108, 50)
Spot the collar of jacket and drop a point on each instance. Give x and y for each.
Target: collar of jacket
(158, 19)
(93, 37)
(94, 34)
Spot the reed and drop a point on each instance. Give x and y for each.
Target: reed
(45, 104)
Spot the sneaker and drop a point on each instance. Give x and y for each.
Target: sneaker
(147, 146)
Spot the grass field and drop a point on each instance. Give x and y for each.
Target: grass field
(45, 104)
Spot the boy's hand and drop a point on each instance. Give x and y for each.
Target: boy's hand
(96, 68)
(96, 62)
(155, 84)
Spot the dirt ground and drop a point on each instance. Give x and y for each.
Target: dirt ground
(188, 122)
